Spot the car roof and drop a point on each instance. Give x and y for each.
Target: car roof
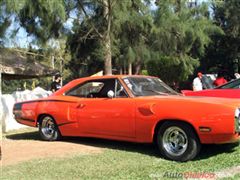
(112, 76)
(79, 80)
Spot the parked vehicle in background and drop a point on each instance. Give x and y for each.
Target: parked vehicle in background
(134, 108)
(228, 90)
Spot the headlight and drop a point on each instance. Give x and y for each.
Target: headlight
(237, 120)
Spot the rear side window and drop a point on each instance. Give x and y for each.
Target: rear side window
(86, 89)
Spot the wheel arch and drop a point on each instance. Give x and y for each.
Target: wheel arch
(57, 132)
(41, 116)
(161, 122)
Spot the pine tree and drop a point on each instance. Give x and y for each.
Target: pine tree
(180, 37)
(224, 52)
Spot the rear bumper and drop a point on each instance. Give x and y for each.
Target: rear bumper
(25, 121)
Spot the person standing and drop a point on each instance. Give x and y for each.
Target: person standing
(220, 80)
(56, 84)
(197, 82)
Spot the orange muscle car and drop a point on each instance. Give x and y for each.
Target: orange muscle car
(134, 108)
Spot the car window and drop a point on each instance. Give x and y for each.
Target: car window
(98, 89)
(86, 89)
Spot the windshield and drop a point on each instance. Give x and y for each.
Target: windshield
(235, 84)
(148, 86)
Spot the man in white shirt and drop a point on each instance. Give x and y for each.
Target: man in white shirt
(197, 83)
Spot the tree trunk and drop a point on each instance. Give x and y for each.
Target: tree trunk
(107, 56)
(121, 70)
(130, 68)
(178, 8)
(138, 67)
(107, 39)
(124, 67)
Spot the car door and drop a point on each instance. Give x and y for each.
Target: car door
(98, 114)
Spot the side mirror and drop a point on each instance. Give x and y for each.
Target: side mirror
(110, 94)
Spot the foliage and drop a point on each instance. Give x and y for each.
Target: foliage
(134, 34)
(179, 38)
(224, 52)
(5, 21)
(43, 19)
(88, 40)
(9, 86)
(171, 69)
(129, 36)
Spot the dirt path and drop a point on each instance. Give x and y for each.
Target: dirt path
(16, 151)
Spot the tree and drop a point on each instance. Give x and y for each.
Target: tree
(180, 36)
(224, 52)
(98, 17)
(8, 10)
(106, 24)
(106, 33)
(45, 20)
(134, 35)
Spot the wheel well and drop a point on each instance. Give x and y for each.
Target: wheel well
(160, 123)
(40, 117)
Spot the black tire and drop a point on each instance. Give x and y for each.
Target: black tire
(177, 141)
(48, 129)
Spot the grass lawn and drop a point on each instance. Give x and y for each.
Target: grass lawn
(120, 160)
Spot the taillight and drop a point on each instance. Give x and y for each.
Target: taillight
(17, 110)
(17, 106)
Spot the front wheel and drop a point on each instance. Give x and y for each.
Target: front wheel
(177, 141)
(48, 129)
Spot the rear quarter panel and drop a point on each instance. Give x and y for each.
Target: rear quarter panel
(28, 114)
(63, 110)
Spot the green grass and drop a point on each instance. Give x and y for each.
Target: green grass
(237, 176)
(120, 160)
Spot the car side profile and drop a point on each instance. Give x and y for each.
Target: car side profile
(139, 109)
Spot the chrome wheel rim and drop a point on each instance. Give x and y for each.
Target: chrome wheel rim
(48, 127)
(175, 141)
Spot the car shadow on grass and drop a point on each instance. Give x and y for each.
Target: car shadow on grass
(148, 149)
(206, 152)
(143, 148)
(209, 150)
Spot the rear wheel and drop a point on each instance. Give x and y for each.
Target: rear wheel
(48, 129)
(177, 141)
